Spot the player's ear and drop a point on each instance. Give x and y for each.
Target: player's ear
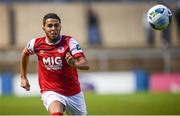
(60, 26)
(43, 27)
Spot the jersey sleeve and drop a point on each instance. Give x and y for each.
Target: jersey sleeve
(75, 48)
(30, 46)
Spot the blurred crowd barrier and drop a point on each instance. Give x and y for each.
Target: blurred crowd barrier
(123, 82)
(121, 24)
(4, 30)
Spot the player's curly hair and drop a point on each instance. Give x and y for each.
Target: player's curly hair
(51, 15)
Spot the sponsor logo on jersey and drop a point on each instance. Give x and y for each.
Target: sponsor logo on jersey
(78, 47)
(53, 63)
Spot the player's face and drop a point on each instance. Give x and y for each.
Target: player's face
(52, 28)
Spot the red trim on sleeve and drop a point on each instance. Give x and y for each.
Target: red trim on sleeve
(77, 55)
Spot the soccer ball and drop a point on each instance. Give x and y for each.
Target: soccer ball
(159, 17)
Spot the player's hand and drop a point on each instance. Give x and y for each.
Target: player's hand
(70, 59)
(25, 84)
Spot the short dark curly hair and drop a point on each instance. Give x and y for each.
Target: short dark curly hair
(51, 15)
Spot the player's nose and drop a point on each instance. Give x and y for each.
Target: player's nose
(53, 28)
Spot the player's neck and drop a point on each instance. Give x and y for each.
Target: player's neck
(53, 41)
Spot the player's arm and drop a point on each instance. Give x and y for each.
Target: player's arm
(79, 63)
(23, 69)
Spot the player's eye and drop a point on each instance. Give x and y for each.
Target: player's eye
(56, 25)
(53, 25)
(50, 25)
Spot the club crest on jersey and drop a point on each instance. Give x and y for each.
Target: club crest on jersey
(61, 49)
(41, 51)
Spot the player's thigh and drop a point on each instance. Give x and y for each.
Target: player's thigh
(53, 99)
(56, 106)
(76, 105)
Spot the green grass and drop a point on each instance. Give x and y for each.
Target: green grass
(139, 103)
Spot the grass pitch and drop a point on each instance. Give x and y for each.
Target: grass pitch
(138, 103)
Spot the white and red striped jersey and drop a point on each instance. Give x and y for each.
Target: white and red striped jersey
(54, 74)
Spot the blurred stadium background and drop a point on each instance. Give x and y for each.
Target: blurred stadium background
(134, 70)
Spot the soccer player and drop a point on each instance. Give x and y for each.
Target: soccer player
(59, 57)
